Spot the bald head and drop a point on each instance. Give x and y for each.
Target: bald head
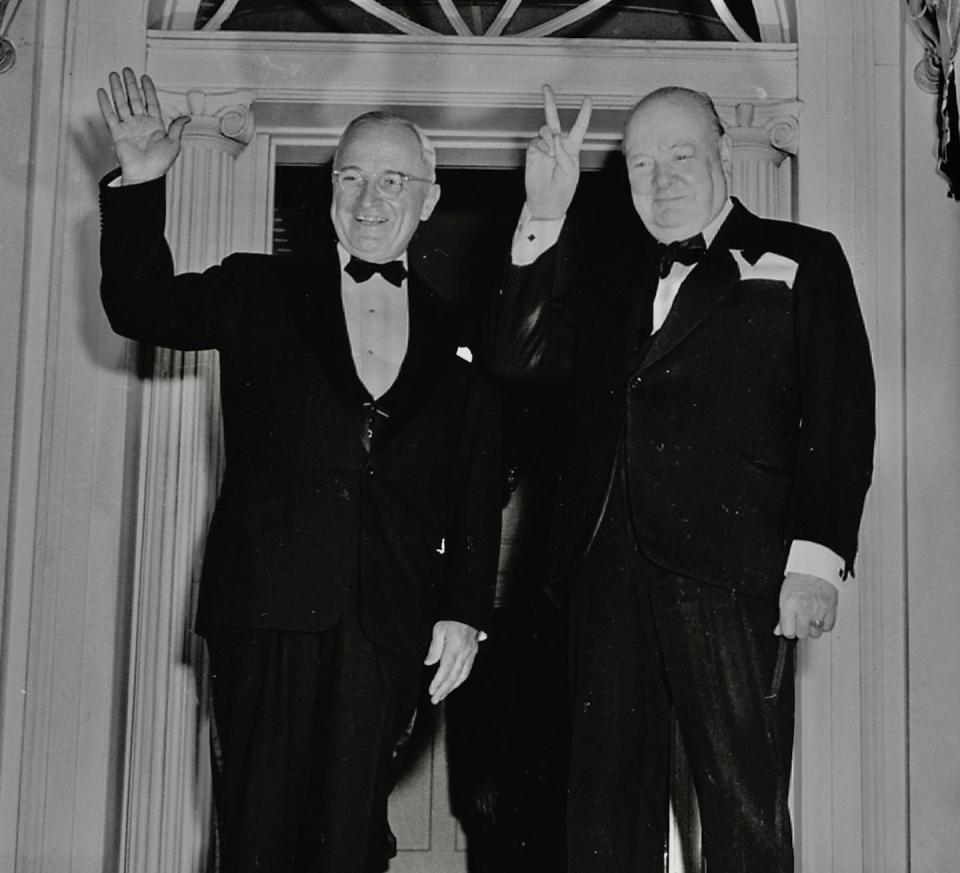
(698, 102)
(428, 154)
(678, 160)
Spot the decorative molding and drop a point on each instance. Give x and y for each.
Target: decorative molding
(63, 595)
(784, 133)
(767, 124)
(225, 117)
(852, 768)
(927, 73)
(762, 141)
(372, 69)
(314, 85)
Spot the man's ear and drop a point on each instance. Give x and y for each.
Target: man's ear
(430, 201)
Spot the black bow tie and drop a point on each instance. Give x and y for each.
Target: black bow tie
(394, 272)
(684, 251)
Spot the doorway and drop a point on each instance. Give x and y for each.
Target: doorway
(481, 784)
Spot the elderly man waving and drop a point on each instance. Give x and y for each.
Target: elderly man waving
(356, 532)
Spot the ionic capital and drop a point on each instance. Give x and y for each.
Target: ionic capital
(221, 120)
(764, 125)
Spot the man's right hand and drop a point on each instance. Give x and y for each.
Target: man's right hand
(553, 160)
(145, 147)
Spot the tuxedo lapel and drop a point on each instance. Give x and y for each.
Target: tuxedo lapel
(701, 292)
(432, 340)
(431, 343)
(325, 325)
(742, 231)
(637, 314)
(705, 288)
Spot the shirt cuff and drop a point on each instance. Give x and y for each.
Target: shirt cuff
(533, 237)
(812, 559)
(117, 181)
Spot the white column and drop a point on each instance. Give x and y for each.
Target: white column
(167, 787)
(763, 136)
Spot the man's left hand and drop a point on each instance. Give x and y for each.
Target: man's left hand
(454, 645)
(808, 606)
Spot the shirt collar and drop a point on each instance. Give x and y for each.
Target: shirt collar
(345, 256)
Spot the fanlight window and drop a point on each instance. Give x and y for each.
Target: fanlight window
(697, 20)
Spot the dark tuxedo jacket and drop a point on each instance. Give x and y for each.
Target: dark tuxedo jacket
(308, 523)
(744, 423)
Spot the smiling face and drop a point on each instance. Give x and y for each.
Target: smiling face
(368, 225)
(677, 164)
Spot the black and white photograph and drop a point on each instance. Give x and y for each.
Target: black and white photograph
(479, 436)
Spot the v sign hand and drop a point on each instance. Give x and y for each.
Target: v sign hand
(146, 148)
(553, 160)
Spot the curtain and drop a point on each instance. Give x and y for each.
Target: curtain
(937, 22)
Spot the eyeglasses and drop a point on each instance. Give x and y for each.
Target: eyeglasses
(389, 184)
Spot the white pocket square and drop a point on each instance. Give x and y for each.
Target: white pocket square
(770, 267)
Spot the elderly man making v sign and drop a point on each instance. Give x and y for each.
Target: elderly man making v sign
(357, 528)
(722, 426)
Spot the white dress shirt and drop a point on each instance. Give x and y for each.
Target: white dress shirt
(378, 324)
(670, 284)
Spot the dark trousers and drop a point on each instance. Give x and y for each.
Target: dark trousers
(304, 729)
(645, 641)
(507, 744)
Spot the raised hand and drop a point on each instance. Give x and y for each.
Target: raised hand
(145, 147)
(553, 160)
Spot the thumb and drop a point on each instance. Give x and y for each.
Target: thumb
(830, 620)
(175, 131)
(788, 623)
(436, 648)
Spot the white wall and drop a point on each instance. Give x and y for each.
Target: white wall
(64, 647)
(932, 324)
(16, 110)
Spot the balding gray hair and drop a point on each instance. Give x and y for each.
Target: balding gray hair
(427, 152)
(700, 98)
